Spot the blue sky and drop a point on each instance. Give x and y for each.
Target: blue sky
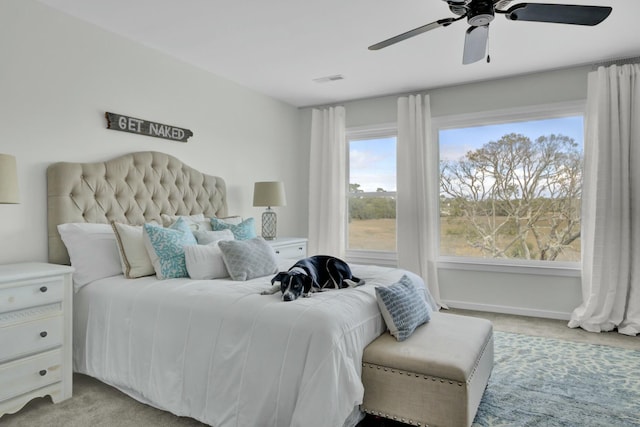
(372, 162)
(455, 143)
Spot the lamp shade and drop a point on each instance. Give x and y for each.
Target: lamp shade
(269, 193)
(8, 179)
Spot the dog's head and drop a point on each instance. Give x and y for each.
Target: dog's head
(293, 284)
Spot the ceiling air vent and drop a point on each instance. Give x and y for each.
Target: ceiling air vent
(328, 79)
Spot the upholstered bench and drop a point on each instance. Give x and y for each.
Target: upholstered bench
(435, 378)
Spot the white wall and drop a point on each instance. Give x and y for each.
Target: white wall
(59, 75)
(552, 296)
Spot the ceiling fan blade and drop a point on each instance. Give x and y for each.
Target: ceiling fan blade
(414, 32)
(475, 44)
(558, 13)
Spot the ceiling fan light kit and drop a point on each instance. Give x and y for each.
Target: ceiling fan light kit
(480, 13)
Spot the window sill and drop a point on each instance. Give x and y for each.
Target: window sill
(538, 268)
(387, 259)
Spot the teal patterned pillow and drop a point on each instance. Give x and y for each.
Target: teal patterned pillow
(165, 248)
(248, 259)
(244, 231)
(402, 307)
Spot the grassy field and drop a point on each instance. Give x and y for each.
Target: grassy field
(380, 234)
(373, 234)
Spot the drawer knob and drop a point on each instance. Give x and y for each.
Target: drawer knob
(277, 252)
(43, 372)
(43, 289)
(43, 334)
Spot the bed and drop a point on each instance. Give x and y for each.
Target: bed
(214, 350)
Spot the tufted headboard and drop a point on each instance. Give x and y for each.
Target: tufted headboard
(133, 189)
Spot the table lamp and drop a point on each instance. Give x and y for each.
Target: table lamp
(270, 193)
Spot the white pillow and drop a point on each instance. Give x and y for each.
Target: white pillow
(209, 237)
(92, 250)
(233, 220)
(196, 222)
(205, 262)
(134, 259)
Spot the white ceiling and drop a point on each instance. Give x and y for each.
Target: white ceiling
(279, 47)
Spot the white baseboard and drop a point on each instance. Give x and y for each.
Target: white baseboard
(520, 311)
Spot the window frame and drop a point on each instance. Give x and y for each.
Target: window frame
(358, 133)
(528, 113)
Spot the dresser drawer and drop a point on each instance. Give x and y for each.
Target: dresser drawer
(24, 375)
(30, 337)
(30, 293)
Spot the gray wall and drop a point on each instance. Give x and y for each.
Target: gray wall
(58, 76)
(516, 291)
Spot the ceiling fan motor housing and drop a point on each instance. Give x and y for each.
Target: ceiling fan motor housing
(481, 12)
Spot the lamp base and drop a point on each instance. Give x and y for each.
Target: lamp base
(269, 224)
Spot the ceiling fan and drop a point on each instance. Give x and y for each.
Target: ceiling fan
(480, 13)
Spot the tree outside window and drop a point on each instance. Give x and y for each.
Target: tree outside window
(512, 191)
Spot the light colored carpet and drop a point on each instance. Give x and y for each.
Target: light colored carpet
(95, 404)
(551, 328)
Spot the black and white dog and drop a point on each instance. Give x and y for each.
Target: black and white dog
(314, 274)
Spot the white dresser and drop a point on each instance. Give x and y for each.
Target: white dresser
(35, 334)
(289, 247)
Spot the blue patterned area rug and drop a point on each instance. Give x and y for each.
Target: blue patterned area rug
(549, 382)
(540, 381)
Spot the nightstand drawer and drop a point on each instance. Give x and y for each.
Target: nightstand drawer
(35, 333)
(30, 337)
(293, 251)
(31, 293)
(289, 247)
(31, 373)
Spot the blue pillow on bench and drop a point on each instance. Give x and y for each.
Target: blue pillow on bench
(403, 307)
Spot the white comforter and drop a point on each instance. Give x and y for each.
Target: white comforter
(220, 352)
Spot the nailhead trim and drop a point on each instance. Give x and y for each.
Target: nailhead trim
(484, 349)
(412, 374)
(433, 378)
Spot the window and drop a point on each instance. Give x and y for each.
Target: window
(372, 189)
(510, 184)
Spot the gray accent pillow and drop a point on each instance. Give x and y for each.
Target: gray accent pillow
(403, 308)
(248, 259)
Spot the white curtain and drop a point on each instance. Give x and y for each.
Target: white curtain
(418, 178)
(611, 203)
(327, 182)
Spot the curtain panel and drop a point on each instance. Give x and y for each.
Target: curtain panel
(418, 177)
(611, 203)
(327, 182)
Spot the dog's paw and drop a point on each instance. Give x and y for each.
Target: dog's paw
(272, 290)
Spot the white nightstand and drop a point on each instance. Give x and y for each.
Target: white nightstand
(35, 332)
(289, 247)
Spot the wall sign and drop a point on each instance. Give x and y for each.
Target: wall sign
(144, 127)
